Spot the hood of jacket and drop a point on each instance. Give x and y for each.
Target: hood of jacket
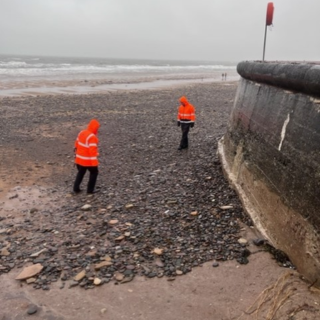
(184, 100)
(93, 126)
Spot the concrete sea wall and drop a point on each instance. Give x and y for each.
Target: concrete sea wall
(271, 154)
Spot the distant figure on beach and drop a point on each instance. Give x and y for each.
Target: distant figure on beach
(186, 119)
(222, 76)
(86, 156)
(225, 76)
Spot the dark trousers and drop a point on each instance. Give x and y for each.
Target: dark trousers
(92, 179)
(185, 130)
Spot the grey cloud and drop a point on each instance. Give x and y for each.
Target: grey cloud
(217, 30)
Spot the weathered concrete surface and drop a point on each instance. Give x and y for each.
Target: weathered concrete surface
(299, 77)
(271, 153)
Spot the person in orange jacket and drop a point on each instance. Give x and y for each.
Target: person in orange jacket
(186, 120)
(86, 156)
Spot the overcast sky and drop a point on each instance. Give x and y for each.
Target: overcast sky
(217, 30)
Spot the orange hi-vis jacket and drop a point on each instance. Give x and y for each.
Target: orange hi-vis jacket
(86, 146)
(186, 112)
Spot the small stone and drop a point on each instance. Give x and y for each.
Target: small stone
(102, 311)
(119, 238)
(158, 251)
(259, 242)
(129, 206)
(102, 264)
(179, 272)
(127, 273)
(38, 260)
(226, 207)
(32, 309)
(86, 207)
(36, 254)
(146, 269)
(159, 263)
(91, 253)
(80, 276)
(114, 221)
(243, 260)
(31, 280)
(119, 276)
(151, 275)
(2, 231)
(97, 281)
(194, 213)
(73, 284)
(127, 279)
(246, 252)
(30, 271)
(242, 241)
(215, 264)
(171, 279)
(4, 252)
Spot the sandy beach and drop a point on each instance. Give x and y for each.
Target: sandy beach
(151, 189)
(92, 83)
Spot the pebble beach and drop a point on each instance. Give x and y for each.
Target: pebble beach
(155, 192)
(159, 213)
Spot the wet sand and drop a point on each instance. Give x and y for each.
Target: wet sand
(140, 165)
(76, 88)
(95, 84)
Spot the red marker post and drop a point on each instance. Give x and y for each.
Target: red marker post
(269, 18)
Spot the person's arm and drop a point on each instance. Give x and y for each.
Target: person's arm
(76, 145)
(93, 149)
(193, 116)
(178, 118)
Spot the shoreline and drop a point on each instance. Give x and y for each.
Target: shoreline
(93, 84)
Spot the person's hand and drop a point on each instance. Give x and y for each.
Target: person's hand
(178, 123)
(192, 125)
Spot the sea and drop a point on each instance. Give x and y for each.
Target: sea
(17, 70)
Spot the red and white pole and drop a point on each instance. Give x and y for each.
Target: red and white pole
(269, 18)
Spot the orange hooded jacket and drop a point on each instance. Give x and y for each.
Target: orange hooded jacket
(186, 112)
(86, 145)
